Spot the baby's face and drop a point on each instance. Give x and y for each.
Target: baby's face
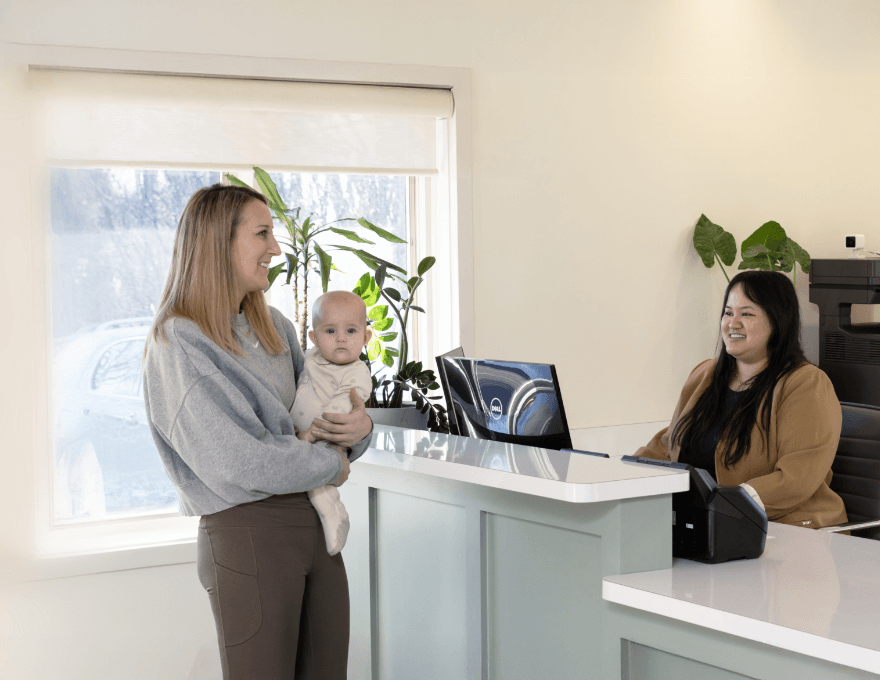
(342, 331)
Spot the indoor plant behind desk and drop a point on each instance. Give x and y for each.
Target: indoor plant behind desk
(386, 306)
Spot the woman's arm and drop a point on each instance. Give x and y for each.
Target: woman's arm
(220, 437)
(808, 422)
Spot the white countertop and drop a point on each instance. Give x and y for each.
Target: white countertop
(572, 477)
(811, 592)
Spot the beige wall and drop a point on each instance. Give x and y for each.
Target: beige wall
(601, 131)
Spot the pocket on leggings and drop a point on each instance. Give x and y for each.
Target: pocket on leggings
(238, 592)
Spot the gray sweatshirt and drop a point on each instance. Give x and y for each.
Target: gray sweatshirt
(221, 422)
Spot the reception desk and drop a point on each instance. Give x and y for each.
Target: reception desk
(808, 608)
(476, 559)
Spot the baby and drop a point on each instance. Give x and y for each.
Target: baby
(332, 368)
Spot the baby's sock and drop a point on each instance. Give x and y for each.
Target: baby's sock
(334, 516)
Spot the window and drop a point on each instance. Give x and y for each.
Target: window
(125, 152)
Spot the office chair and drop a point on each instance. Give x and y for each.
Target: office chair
(856, 470)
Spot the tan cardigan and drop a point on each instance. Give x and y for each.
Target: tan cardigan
(792, 477)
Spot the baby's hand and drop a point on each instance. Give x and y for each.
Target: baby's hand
(307, 436)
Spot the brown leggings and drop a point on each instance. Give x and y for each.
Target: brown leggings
(280, 601)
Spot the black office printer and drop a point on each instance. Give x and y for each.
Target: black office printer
(849, 354)
(713, 523)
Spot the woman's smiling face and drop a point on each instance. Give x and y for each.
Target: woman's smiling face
(252, 249)
(745, 328)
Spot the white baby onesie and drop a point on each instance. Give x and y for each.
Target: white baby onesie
(324, 387)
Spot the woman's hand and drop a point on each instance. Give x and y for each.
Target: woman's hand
(344, 429)
(346, 464)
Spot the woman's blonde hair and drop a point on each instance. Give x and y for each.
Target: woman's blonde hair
(200, 284)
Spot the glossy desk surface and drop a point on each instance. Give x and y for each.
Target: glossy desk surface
(572, 477)
(811, 592)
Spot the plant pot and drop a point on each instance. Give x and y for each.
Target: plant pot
(406, 416)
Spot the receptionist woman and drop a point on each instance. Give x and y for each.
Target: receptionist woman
(759, 414)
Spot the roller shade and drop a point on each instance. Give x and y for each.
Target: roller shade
(153, 120)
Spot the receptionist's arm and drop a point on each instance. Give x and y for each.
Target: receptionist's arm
(807, 424)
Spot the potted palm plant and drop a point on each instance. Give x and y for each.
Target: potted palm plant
(302, 251)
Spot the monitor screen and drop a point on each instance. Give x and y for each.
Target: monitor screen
(506, 401)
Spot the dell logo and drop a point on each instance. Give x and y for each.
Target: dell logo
(495, 408)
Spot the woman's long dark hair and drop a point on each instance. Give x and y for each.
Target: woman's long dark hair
(774, 293)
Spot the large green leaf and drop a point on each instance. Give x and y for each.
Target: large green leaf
(710, 239)
(383, 324)
(374, 349)
(380, 275)
(235, 181)
(387, 359)
(755, 251)
(387, 235)
(326, 264)
(363, 285)
(270, 191)
(758, 263)
(388, 337)
(393, 293)
(274, 272)
(426, 264)
(372, 261)
(769, 234)
(350, 235)
(791, 253)
(378, 312)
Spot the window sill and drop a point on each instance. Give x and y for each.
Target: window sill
(80, 551)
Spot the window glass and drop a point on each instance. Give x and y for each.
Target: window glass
(112, 233)
(380, 199)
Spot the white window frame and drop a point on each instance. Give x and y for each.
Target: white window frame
(160, 540)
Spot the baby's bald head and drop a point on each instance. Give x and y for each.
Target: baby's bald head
(349, 304)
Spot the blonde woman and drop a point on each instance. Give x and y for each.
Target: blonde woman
(220, 375)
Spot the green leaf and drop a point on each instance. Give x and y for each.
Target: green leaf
(755, 251)
(710, 239)
(434, 386)
(371, 297)
(326, 264)
(374, 348)
(380, 275)
(387, 359)
(791, 253)
(769, 234)
(388, 337)
(372, 261)
(378, 313)
(274, 272)
(418, 309)
(426, 264)
(350, 235)
(393, 352)
(363, 284)
(758, 263)
(235, 181)
(383, 324)
(387, 235)
(393, 293)
(413, 281)
(270, 191)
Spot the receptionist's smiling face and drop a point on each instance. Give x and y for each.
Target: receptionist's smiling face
(745, 328)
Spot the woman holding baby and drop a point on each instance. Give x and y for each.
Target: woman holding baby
(220, 377)
(759, 415)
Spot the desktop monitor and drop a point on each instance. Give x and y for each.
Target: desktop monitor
(505, 401)
(441, 374)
